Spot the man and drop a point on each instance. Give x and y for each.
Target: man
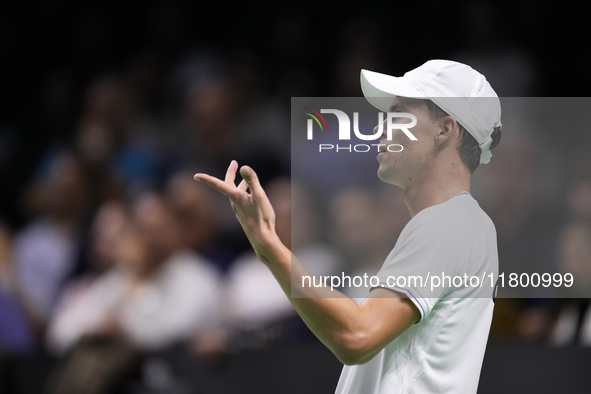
(406, 338)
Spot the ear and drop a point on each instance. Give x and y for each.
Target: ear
(447, 129)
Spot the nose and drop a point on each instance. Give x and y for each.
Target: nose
(377, 128)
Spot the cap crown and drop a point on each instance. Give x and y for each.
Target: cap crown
(456, 88)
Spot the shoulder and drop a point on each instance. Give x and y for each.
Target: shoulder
(457, 228)
(460, 214)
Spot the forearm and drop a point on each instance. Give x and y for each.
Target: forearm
(334, 318)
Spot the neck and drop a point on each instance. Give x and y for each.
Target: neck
(438, 183)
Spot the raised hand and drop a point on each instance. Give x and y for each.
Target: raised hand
(253, 211)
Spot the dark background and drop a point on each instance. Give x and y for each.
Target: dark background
(78, 40)
(51, 52)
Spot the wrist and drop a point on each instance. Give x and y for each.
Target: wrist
(271, 249)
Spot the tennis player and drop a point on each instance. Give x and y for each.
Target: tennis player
(412, 338)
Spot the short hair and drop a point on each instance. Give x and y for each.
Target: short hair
(469, 149)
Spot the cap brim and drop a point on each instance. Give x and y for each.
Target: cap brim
(379, 89)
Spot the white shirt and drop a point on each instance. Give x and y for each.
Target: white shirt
(180, 300)
(443, 352)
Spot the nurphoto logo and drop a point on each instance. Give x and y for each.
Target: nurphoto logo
(394, 121)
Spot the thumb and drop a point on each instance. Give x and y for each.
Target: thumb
(252, 179)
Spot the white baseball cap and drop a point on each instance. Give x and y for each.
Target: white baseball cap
(456, 88)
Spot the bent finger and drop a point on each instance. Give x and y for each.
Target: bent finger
(243, 186)
(252, 180)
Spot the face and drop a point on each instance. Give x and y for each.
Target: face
(110, 222)
(406, 167)
(156, 224)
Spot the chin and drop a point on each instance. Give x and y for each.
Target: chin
(385, 175)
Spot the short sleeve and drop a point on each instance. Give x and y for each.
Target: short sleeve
(425, 248)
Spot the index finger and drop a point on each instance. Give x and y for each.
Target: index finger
(231, 172)
(227, 189)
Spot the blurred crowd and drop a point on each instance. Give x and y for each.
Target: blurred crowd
(109, 251)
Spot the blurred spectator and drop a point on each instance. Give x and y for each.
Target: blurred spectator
(108, 99)
(111, 143)
(201, 215)
(155, 295)
(6, 274)
(526, 233)
(16, 335)
(228, 116)
(46, 250)
(193, 204)
(573, 322)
